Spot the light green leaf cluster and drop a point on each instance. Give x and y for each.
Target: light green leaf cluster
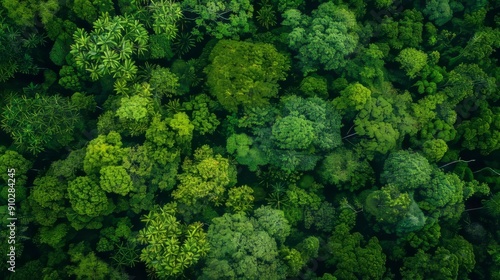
(388, 204)
(10, 159)
(355, 96)
(412, 61)
(115, 179)
(434, 149)
(182, 125)
(205, 177)
(103, 151)
(165, 16)
(240, 199)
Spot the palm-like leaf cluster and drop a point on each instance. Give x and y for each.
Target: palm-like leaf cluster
(171, 246)
(108, 49)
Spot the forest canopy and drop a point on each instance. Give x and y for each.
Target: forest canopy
(250, 139)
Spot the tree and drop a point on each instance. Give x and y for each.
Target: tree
(23, 12)
(165, 15)
(443, 191)
(438, 11)
(48, 200)
(171, 247)
(160, 47)
(344, 169)
(482, 132)
(221, 19)
(202, 116)
(427, 237)
(89, 266)
(318, 125)
(444, 263)
(407, 170)
(109, 47)
(406, 32)
(240, 145)
(293, 132)
(18, 50)
(273, 222)
(40, 122)
(323, 117)
(354, 96)
(89, 10)
(182, 126)
(314, 85)
(135, 111)
(367, 66)
(86, 198)
(322, 218)
(241, 248)
(388, 204)
(10, 159)
(266, 16)
(493, 204)
(163, 83)
(324, 39)
(384, 121)
(296, 203)
(54, 236)
(243, 73)
(205, 177)
(354, 258)
(412, 61)
(434, 149)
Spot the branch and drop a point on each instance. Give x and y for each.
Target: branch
(472, 209)
(352, 134)
(350, 129)
(491, 169)
(459, 160)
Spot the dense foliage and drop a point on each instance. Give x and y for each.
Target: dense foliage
(250, 139)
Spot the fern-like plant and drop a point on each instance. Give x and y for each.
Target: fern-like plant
(266, 16)
(183, 43)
